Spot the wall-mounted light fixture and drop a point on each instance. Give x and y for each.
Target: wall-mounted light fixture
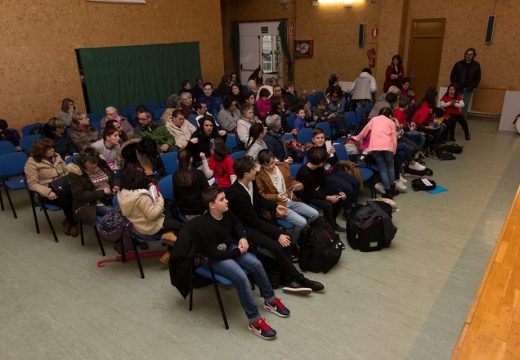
(284, 3)
(347, 3)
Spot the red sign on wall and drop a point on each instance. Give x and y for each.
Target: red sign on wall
(375, 32)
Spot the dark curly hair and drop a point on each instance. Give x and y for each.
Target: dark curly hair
(134, 178)
(39, 148)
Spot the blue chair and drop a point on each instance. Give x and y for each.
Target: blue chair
(93, 117)
(318, 97)
(12, 166)
(290, 119)
(294, 168)
(6, 147)
(231, 141)
(325, 126)
(27, 141)
(142, 239)
(169, 160)
(341, 152)
(71, 158)
(305, 136)
(96, 124)
(158, 112)
(311, 99)
(26, 130)
(245, 89)
(166, 186)
(38, 201)
(368, 177)
(151, 106)
(82, 235)
(237, 155)
(287, 137)
(128, 111)
(351, 119)
(360, 111)
(164, 103)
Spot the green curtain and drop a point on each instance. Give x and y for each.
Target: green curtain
(282, 31)
(133, 75)
(235, 45)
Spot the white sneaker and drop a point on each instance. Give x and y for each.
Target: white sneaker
(380, 188)
(402, 179)
(414, 165)
(399, 186)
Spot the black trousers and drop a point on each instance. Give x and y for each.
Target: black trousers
(330, 210)
(452, 123)
(65, 203)
(281, 254)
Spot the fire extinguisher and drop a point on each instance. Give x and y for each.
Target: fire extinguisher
(371, 57)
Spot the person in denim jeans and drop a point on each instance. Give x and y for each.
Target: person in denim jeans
(221, 239)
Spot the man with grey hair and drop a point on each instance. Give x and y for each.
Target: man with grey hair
(113, 114)
(172, 103)
(273, 138)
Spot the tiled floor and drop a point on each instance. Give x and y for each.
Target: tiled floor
(406, 302)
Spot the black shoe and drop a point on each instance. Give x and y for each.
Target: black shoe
(339, 228)
(343, 247)
(294, 287)
(316, 286)
(468, 137)
(452, 138)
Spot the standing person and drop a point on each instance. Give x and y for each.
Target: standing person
(452, 102)
(68, 109)
(394, 72)
(466, 75)
(222, 239)
(365, 87)
(257, 76)
(246, 203)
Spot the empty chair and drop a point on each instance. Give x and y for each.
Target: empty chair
(157, 113)
(12, 165)
(169, 160)
(237, 155)
(294, 168)
(341, 152)
(6, 147)
(231, 141)
(27, 141)
(27, 129)
(318, 97)
(351, 119)
(151, 106)
(287, 137)
(305, 136)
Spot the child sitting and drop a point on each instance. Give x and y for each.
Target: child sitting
(219, 165)
(299, 121)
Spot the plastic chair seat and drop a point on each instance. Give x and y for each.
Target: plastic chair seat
(15, 184)
(285, 224)
(51, 207)
(366, 173)
(204, 272)
(146, 238)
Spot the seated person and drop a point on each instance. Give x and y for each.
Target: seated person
(334, 175)
(112, 114)
(299, 121)
(263, 104)
(229, 115)
(219, 165)
(221, 239)
(255, 142)
(10, 135)
(67, 111)
(386, 100)
(172, 103)
(248, 119)
(108, 147)
(181, 129)
(188, 184)
(42, 168)
(186, 101)
(316, 190)
(158, 133)
(273, 138)
(276, 184)
(92, 185)
(278, 93)
(246, 203)
(211, 101)
(142, 152)
(142, 205)
(63, 144)
(82, 132)
(202, 139)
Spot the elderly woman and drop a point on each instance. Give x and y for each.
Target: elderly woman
(112, 114)
(55, 131)
(229, 115)
(92, 186)
(82, 132)
(42, 168)
(67, 111)
(248, 119)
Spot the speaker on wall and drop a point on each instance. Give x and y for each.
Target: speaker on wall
(361, 38)
(490, 29)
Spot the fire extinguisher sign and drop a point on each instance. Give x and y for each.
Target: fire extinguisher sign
(374, 33)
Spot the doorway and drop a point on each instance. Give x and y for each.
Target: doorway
(424, 58)
(260, 46)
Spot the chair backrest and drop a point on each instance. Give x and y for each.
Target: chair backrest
(341, 152)
(166, 187)
(26, 130)
(231, 141)
(350, 118)
(360, 111)
(158, 112)
(325, 126)
(6, 147)
(287, 137)
(237, 155)
(311, 99)
(294, 168)
(152, 106)
(169, 160)
(128, 111)
(27, 141)
(318, 96)
(305, 136)
(12, 164)
(71, 158)
(93, 117)
(164, 103)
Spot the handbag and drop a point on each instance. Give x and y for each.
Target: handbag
(61, 186)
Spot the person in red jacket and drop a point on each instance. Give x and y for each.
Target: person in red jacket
(394, 72)
(452, 104)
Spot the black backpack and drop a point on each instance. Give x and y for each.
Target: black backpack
(423, 184)
(370, 228)
(320, 247)
(453, 148)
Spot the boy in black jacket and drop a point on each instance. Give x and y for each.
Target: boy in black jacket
(222, 238)
(246, 203)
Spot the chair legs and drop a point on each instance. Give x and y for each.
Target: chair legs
(10, 202)
(1, 200)
(100, 243)
(82, 237)
(137, 258)
(219, 299)
(35, 217)
(50, 224)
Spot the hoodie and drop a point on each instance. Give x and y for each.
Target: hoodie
(364, 86)
(138, 207)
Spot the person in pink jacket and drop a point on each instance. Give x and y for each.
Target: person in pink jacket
(382, 146)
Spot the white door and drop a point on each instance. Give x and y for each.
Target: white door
(260, 46)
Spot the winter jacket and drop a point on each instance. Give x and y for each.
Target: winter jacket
(41, 173)
(465, 75)
(182, 134)
(243, 126)
(382, 134)
(389, 71)
(227, 120)
(139, 208)
(364, 86)
(84, 194)
(255, 148)
(275, 144)
(83, 137)
(159, 134)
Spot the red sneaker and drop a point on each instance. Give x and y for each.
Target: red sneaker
(262, 329)
(277, 307)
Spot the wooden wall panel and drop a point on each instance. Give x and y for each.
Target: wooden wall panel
(38, 66)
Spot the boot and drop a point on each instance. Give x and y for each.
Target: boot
(66, 227)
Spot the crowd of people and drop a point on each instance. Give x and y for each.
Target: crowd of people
(237, 202)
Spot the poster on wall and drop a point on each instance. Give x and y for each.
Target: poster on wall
(303, 48)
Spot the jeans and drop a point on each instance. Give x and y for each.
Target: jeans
(385, 163)
(299, 214)
(341, 181)
(466, 97)
(236, 270)
(417, 137)
(330, 210)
